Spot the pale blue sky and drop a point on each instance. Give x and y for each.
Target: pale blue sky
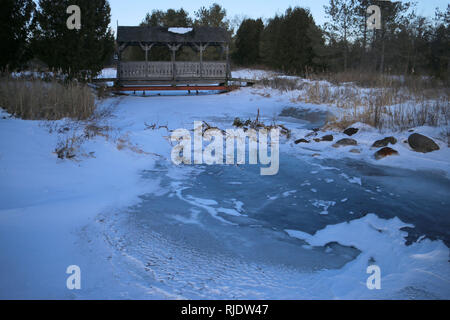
(132, 12)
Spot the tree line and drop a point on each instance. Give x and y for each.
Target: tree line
(29, 31)
(407, 42)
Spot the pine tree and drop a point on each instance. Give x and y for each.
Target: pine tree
(15, 29)
(291, 42)
(342, 22)
(439, 60)
(214, 16)
(392, 18)
(248, 39)
(170, 18)
(78, 53)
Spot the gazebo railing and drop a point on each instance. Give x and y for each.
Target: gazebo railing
(158, 70)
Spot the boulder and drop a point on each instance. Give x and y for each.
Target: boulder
(301, 141)
(420, 143)
(384, 142)
(355, 151)
(351, 131)
(345, 142)
(317, 140)
(328, 137)
(385, 152)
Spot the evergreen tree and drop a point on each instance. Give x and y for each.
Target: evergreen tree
(361, 31)
(78, 53)
(342, 22)
(439, 60)
(170, 18)
(214, 16)
(291, 42)
(248, 39)
(393, 16)
(15, 29)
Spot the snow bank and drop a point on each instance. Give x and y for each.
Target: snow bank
(417, 271)
(45, 202)
(252, 74)
(108, 73)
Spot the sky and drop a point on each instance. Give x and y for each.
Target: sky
(132, 12)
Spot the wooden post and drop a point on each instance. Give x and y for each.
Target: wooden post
(201, 62)
(120, 49)
(174, 71)
(118, 67)
(228, 69)
(174, 49)
(146, 48)
(201, 48)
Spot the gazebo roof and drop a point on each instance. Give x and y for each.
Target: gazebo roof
(162, 35)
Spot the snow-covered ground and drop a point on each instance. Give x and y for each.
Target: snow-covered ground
(108, 73)
(140, 227)
(252, 74)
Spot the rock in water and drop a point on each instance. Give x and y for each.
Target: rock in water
(345, 142)
(385, 152)
(351, 131)
(301, 141)
(355, 151)
(384, 142)
(420, 143)
(328, 137)
(391, 140)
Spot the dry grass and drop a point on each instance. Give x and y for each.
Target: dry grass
(378, 80)
(73, 134)
(282, 84)
(432, 113)
(381, 101)
(35, 99)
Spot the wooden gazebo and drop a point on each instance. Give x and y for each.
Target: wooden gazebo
(172, 73)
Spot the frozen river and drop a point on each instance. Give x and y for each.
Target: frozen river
(140, 227)
(226, 231)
